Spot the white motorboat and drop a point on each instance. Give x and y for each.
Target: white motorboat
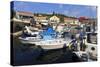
(47, 39)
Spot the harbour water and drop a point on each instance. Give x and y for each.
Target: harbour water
(26, 54)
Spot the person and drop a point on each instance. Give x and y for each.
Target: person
(74, 43)
(81, 38)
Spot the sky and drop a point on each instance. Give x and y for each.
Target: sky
(66, 9)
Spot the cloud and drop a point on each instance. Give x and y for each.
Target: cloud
(75, 13)
(60, 6)
(72, 12)
(66, 12)
(92, 8)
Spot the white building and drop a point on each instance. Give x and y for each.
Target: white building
(41, 19)
(54, 20)
(24, 17)
(71, 21)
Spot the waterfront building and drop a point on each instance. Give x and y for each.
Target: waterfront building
(71, 21)
(20, 19)
(89, 23)
(41, 19)
(54, 21)
(24, 17)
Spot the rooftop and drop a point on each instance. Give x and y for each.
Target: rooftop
(24, 13)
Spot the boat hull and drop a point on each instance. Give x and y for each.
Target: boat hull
(48, 44)
(50, 47)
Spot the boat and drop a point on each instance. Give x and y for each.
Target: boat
(46, 39)
(90, 52)
(91, 42)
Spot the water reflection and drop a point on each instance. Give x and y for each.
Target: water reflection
(25, 54)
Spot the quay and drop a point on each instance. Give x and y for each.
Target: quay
(17, 33)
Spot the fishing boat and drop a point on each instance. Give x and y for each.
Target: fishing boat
(46, 39)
